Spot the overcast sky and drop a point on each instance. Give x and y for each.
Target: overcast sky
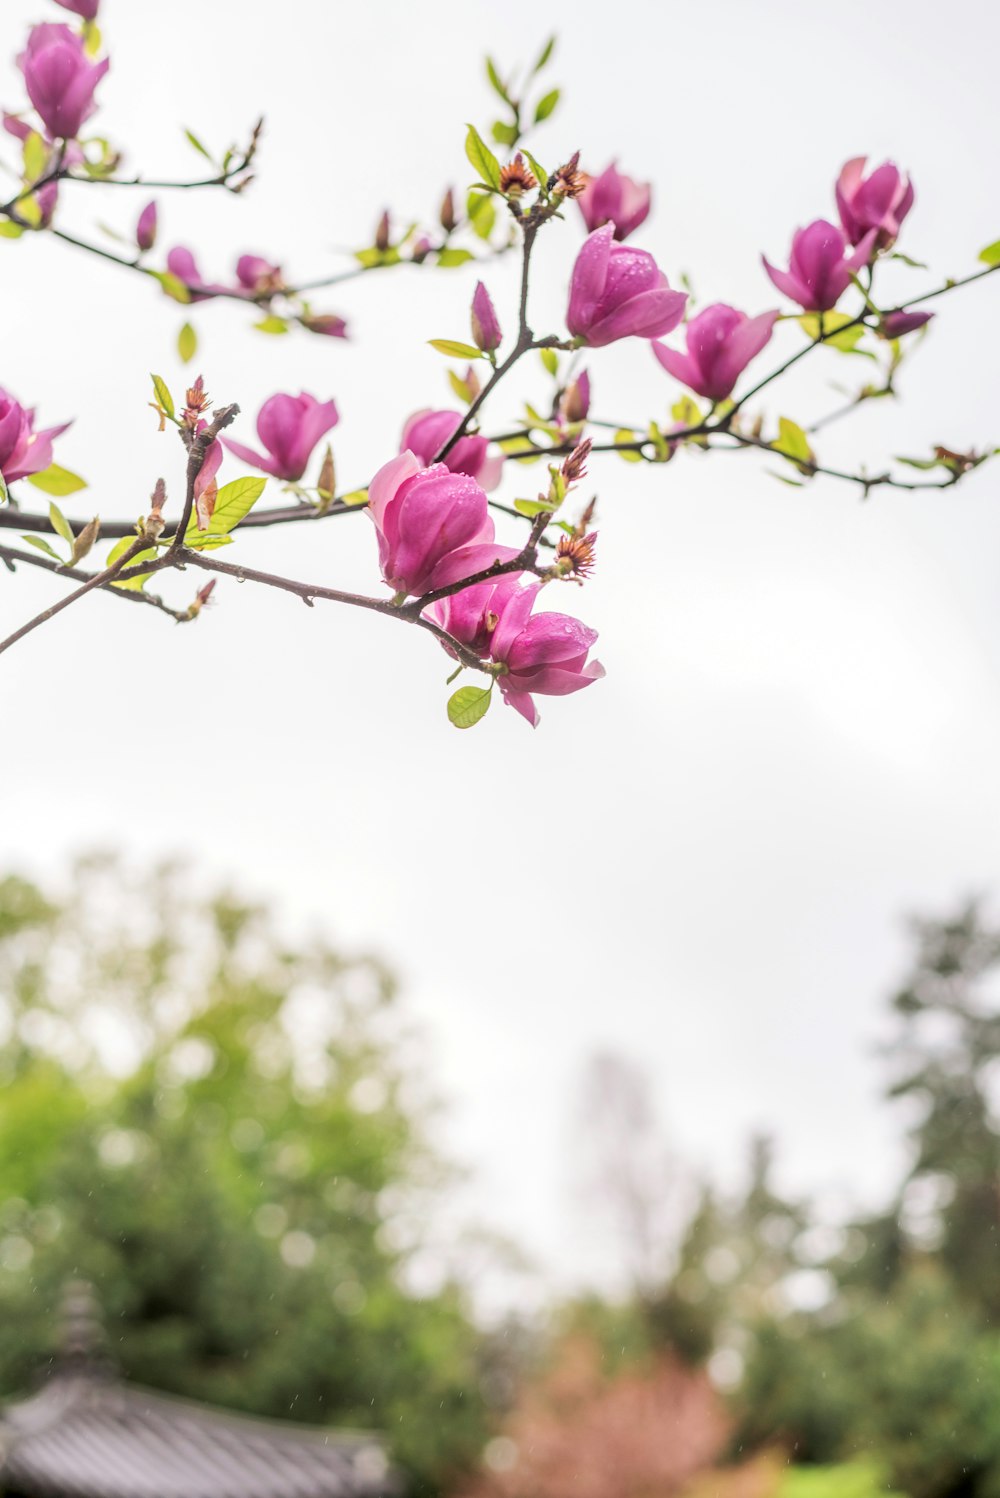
(703, 860)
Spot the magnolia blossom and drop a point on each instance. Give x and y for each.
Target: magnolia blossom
(289, 426)
(879, 201)
(720, 344)
(820, 269)
(85, 8)
(145, 229)
(22, 449)
(612, 198)
(619, 292)
(545, 653)
(426, 432)
(472, 615)
(182, 264)
(898, 324)
(60, 78)
(423, 515)
(255, 274)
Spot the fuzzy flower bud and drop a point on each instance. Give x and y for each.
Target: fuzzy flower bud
(145, 229)
(486, 332)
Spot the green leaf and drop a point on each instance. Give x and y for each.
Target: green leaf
(187, 343)
(130, 584)
(455, 350)
(686, 412)
(991, 254)
(60, 524)
(550, 359)
(56, 480)
(793, 444)
(624, 435)
(536, 166)
(545, 54)
(460, 387)
(494, 77)
(234, 501)
(356, 497)
(91, 34)
(468, 705)
(194, 141)
(504, 134)
(36, 157)
(10, 231)
(40, 544)
(546, 105)
(482, 213)
(915, 264)
(172, 285)
(448, 257)
(4, 496)
(846, 341)
(482, 158)
(271, 325)
(163, 395)
(533, 507)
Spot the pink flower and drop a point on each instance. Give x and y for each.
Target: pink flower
(205, 487)
(880, 201)
(544, 653)
(60, 78)
(486, 332)
(618, 292)
(574, 403)
(818, 273)
(422, 515)
(22, 449)
(426, 432)
(85, 8)
(898, 324)
(326, 323)
(182, 264)
(145, 229)
(472, 615)
(255, 274)
(289, 426)
(615, 199)
(720, 344)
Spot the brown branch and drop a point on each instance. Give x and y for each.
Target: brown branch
(198, 444)
(97, 580)
(11, 555)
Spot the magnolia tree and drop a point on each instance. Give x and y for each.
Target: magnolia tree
(443, 568)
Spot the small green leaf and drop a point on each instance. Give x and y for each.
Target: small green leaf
(36, 157)
(546, 105)
(482, 158)
(234, 501)
(991, 254)
(60, 524)
(56, 480)
(494, 77)
(172, 285)
(91, 34)
(455, 350)
(4, 496)
(468, 705)
(187, 343)
(130, 584)
(447, 257)
(503, 134)
(10, 231)
(624, 435)
(163, 395)
(194, 141)
(545, 54)
(482, 213)
(550, 359)
(536, 166)
(793, 444)
(356, 497)
(272, 325)
(533, 507)
(40, 544)
(916, 264)
(828, 326)
(460, 387)
(686, 412)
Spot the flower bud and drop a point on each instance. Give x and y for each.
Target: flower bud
(382, 233)
(517, 178)
(574, 403)
(898, 324)
(446, 213)
(486, 332)
(145, 229)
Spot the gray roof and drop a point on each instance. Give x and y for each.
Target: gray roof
(87, 1434)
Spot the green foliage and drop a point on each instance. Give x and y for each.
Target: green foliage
(187, 343)
(212, 1125)
(56, 480)
(482, 158)
(235, 500)
(455, 350)
(858, 1479)
(468, 705)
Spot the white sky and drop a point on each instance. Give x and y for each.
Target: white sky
(701, 861)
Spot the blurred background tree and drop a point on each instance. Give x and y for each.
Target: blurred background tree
(223, 1131)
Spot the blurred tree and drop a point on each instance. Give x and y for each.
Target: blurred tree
(220, 1129)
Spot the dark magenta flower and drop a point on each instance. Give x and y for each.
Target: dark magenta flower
(423, 515)
(613, 198)
(289, 426)
(820, 269)
(472, 615)
(720, 344)
(85, 8)
(879, 201)
(486, 332)
(257, 275)
(619, 292)
(145, 229)
(60, 78)
(545, 653)
(898, 324)
(426, 432)
(182, 264)
(22, 449)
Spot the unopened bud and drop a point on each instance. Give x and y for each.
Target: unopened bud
(486, 332)
(568, 181)
(446, 213)
(85, 540)
(145, 229)
(517, 178)
(326, 323)
(575, 467)
(382, 233)
(200, 599)
(574, 403)
(326, 483)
